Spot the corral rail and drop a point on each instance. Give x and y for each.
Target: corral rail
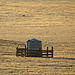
(25, 51)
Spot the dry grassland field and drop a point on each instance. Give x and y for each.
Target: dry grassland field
(52, 21)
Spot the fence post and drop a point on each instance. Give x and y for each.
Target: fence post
(52, 52)
(17, 48)
(25, 46)
(17, 51)
(27, 52)
(22, 53)
(47, 51)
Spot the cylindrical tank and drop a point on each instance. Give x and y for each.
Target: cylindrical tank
(34, 47)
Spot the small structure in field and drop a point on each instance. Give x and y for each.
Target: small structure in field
(33, 48)
(36, 46)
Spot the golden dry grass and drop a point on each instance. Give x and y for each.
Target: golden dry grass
(63, 62)
(51, 21)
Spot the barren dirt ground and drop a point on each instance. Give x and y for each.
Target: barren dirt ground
(52, 21)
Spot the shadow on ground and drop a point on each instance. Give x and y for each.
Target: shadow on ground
(64, 58)
(60, 58)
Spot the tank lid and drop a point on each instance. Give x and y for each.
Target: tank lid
(34, 39)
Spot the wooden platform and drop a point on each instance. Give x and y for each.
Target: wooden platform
(34, 53)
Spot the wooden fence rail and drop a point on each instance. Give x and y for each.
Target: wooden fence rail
(25, 51)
